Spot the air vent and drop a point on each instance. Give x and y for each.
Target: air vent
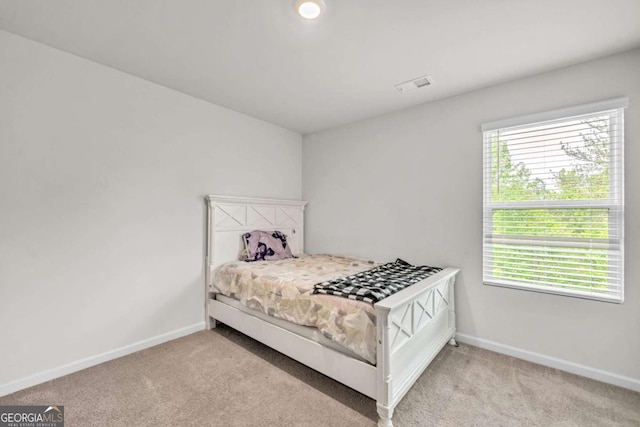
(416, 83)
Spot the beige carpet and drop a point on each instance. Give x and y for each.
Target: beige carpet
(223, 378)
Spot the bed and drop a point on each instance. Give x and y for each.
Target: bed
(410, 327)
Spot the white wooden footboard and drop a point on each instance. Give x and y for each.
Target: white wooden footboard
(413, 326)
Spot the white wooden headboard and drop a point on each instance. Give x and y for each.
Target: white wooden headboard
(228, 218)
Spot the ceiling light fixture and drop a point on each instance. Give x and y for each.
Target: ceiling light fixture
(310, 9)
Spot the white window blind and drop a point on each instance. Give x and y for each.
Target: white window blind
(553, 201)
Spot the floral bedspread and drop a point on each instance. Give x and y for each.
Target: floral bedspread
(284, 289)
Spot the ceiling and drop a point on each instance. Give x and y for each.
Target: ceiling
(259, 58)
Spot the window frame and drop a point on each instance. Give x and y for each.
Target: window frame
(615, 203)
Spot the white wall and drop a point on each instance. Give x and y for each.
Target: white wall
(410, 185)
(102, 178)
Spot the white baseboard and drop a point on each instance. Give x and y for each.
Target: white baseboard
(78, 365)
(552, 362)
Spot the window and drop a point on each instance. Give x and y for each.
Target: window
(553, 202)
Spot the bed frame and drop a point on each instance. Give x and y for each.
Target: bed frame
(413, 325)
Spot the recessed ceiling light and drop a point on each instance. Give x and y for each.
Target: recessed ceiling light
(310, 9)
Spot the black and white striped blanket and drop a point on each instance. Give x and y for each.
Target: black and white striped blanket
(377, 283)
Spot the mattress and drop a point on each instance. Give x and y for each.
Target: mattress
(284, 289)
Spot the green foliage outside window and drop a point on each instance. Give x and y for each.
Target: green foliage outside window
(530, 252)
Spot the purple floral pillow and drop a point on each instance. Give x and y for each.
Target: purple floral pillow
(266, 245)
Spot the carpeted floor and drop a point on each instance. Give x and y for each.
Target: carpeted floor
(223, 378)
